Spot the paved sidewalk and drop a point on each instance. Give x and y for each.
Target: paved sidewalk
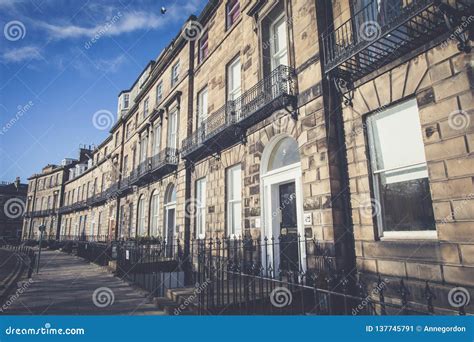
(66, 285)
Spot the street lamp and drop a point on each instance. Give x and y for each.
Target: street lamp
(42, 229)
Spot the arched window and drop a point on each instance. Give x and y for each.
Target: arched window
(170, 195)
(154, 205)
(141, 217)
(284, 153)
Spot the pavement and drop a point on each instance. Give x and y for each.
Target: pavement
(68, 285)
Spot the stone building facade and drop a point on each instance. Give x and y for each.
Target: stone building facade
(266, 119)
(12, 203)
(45, 197)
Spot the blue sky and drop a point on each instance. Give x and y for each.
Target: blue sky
(53, 77)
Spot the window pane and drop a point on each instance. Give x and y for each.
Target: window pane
(393, 151)
(399, 169)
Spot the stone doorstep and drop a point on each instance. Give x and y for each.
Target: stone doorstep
(174, 299)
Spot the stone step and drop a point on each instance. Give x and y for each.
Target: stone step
(171, 307)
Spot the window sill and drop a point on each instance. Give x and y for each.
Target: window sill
(412, 235)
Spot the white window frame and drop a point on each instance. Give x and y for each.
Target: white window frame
(175, 74)
(126, 101)
(173, 128)
(387, 235)
(141, 217)
(145, 107)
(143, 148)
(233, 93)
(233, 199)
(159, 92)
(203, 105)
(277, 55)
(201, 189)
(156, 139)
(154, 213)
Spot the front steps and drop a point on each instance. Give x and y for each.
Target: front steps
(177, 302)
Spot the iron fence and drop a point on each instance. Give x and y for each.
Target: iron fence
(29, 253)
(281, 275)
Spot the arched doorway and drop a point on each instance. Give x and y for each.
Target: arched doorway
(170, 214)
(282, 204)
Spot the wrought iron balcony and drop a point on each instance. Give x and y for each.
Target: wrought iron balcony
(229, 123)
(160, 164)
(42, 213)
(383, 31)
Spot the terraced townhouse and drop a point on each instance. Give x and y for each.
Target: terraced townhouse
(335, 136)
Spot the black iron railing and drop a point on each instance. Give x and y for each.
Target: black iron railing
(41, 213)
(383, 31)
(271, 93)
(166, 157)
(280, 276)
(160, 164)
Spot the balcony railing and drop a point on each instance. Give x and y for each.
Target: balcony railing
(160, 164)
(383, 31)
(222, 127)
(41, 213)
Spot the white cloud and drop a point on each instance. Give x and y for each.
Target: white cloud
(111, 65)
(121, 21)
(21, 54)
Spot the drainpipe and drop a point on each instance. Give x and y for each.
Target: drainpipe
(188, 173)
(333, 110)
